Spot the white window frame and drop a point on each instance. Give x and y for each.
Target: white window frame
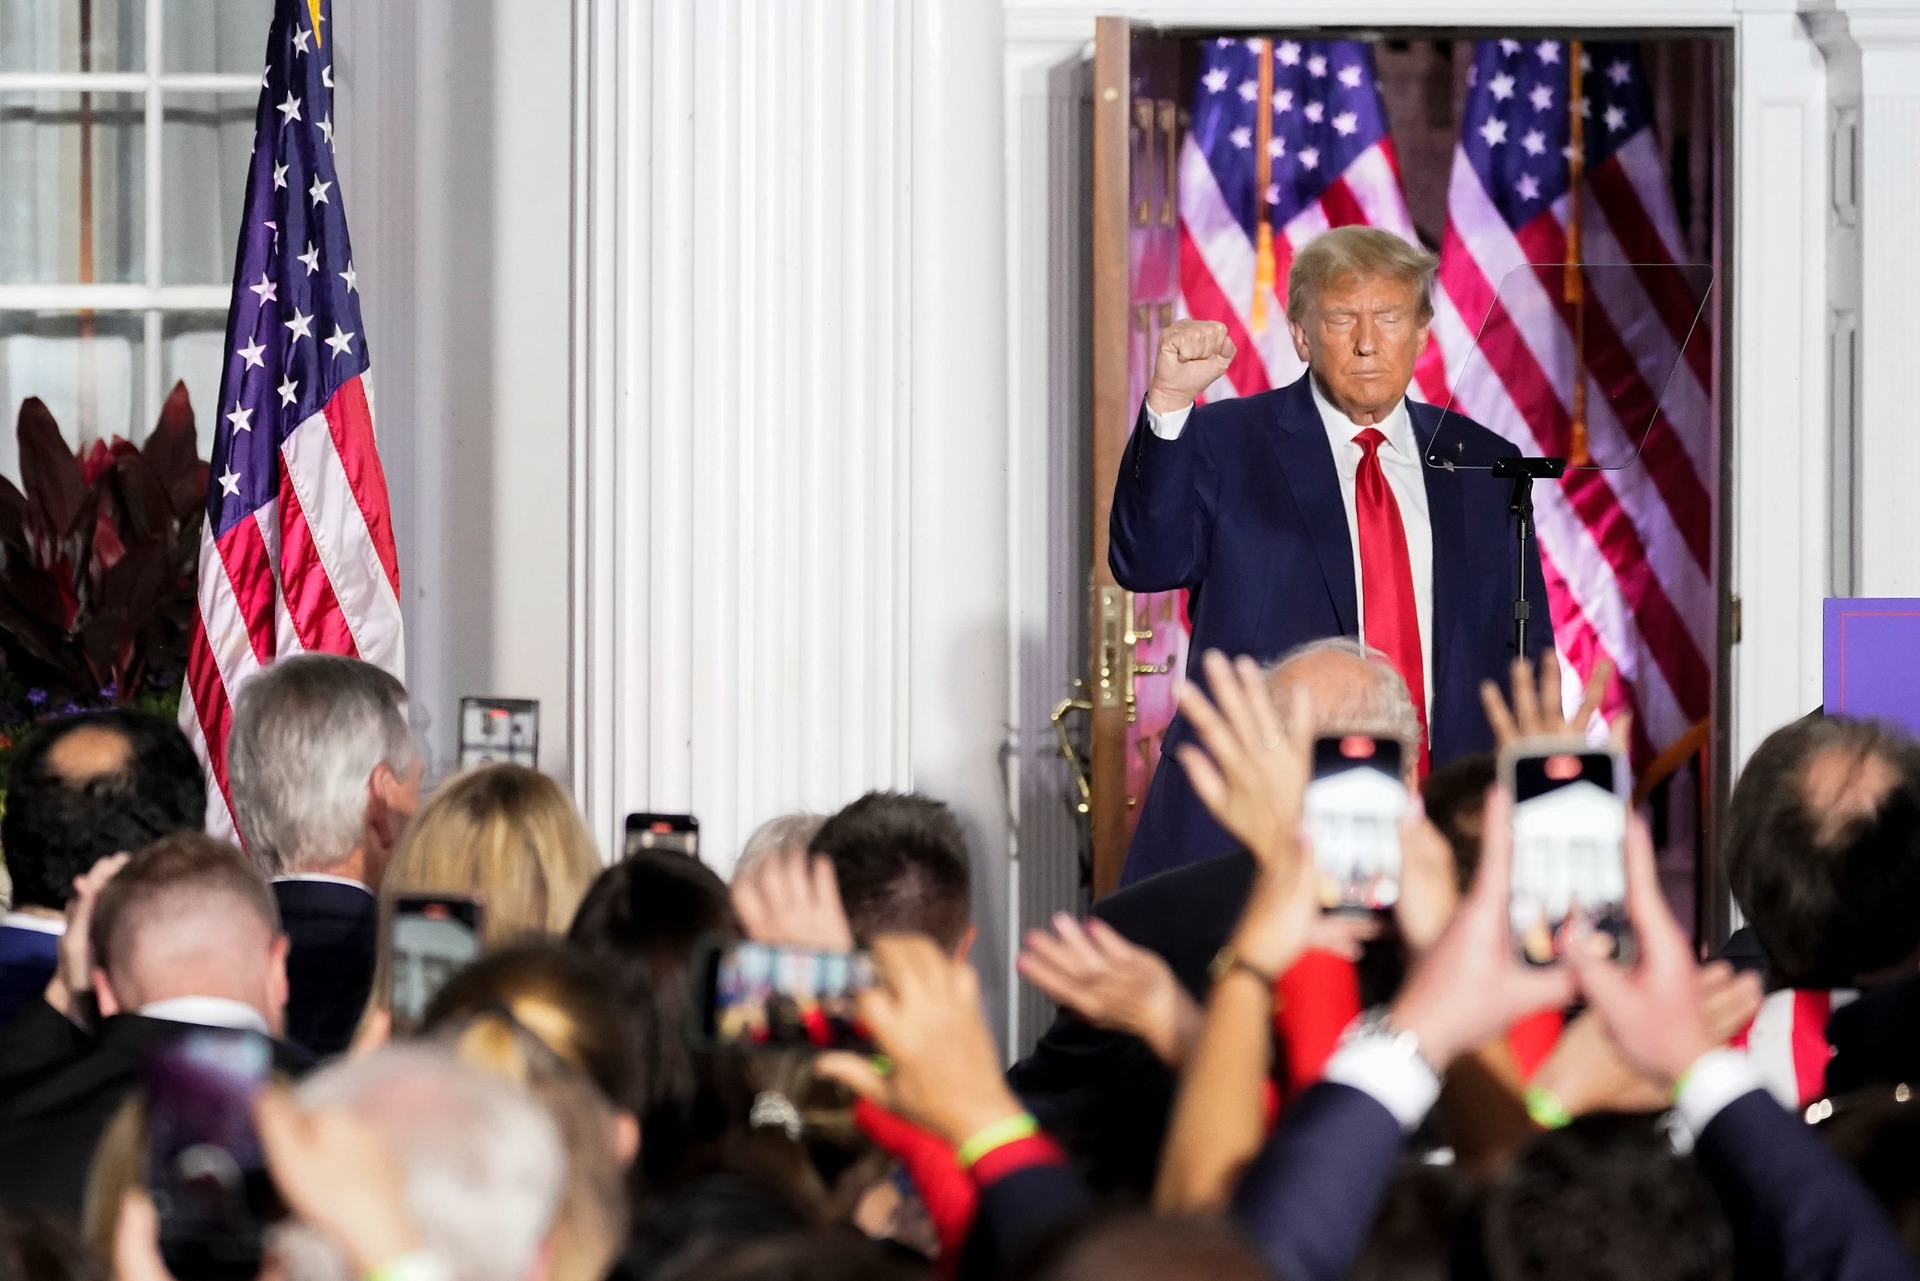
(152, 299)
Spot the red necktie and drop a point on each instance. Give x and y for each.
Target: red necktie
(1386, 577)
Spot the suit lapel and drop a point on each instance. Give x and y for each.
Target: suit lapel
(1299, 441)
(1446, 514)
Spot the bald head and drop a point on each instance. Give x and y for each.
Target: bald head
(189, 916)
(1351, 689)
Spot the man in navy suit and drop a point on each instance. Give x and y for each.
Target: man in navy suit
(1332, 506)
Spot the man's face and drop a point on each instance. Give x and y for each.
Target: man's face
(1361, 338)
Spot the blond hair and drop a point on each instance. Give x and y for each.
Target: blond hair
(1345, 252)
(508, 835)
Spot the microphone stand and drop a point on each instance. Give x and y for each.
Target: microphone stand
(1522, 472)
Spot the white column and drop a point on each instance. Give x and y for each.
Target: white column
(958, 692)
(1888, 36)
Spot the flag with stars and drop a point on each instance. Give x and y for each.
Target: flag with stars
(298, 551)
(1628, 553)
(1277, 153)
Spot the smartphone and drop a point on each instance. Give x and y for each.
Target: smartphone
(755, 996)
(433, 936)
(1569, 847)
(203, 1163)
(679, 833)
(1355, 800)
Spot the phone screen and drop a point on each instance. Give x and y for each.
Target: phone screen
(203, 1162)
(676, 833)
(1569, 851)
(755, 996)
(433, 938)
(1353, 807)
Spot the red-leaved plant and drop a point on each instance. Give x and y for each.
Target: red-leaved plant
(99, 559)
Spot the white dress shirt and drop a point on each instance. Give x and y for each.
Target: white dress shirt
(1400, 462)
(207, 1011)
(56, 925)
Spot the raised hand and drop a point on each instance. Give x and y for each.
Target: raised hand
(1657, 1013)
(337, 1172)
(1193, 353)
(1113, 984)
(1470, 987)
(74, 972)
(1252, 773)
(793, 900)
(1429, 885)
(925, 1016)
(1538, 709)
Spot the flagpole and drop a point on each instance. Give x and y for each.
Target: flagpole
(1262, 179)
(1573, 282)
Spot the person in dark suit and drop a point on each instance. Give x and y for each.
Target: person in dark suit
(324, 775)
(185, 935)
(1334, 506)
(81, 788)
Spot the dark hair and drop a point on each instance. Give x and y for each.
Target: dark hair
(1415, 1233)
(38, 1245)
(57, 827)
(184, 863)
(836, 1254)
(1604, 1198)
(1136, 1246)
(901, 860)
(1831, 893)
(639, 925)
(555, 994)
(1877, 1131)
(1455, 796)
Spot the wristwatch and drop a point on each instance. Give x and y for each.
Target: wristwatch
(1373, 1027)
(1227, 960)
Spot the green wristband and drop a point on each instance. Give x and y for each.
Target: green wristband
(1546, 1109)
(421, 1265)
(1002, 1132)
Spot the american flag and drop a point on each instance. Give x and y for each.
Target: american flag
(1328, 162)
(1628, 553)
(298, 552)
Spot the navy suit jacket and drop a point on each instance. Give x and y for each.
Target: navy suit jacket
(1244, 511)
(332, 931)
(27, 961)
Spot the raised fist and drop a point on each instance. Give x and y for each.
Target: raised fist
(1192, 354)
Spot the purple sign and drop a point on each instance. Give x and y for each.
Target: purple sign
(1871, 650)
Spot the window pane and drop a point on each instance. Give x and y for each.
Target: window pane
(71, 168)
(73, 35)
(191, 346)
(216, 35)
(86, 366)
(207, 142)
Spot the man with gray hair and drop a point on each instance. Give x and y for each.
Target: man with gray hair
(1328, 507)
(483, 1163)
(324, 776)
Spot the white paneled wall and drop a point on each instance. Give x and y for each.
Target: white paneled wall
(741, 418)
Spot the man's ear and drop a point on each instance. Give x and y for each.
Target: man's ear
(1299, 332)
(104, 996)
(964, 948)
(277, 987)
(1421, 336)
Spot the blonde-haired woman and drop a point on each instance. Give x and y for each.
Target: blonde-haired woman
(507, 835)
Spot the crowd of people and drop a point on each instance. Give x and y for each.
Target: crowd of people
(1237, 1085)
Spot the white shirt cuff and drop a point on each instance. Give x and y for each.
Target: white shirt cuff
(1167, 426)
(1716, 1079)
(1390, 1073)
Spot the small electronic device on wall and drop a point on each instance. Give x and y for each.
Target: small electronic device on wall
(499, 730)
